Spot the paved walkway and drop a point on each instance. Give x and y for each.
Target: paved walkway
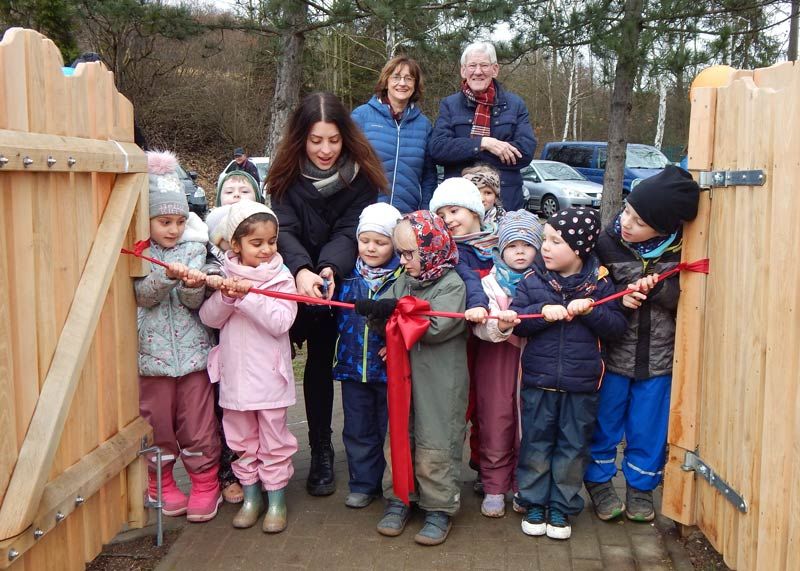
(324, 534)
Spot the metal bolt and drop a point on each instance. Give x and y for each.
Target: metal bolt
(59, 517)
(27, 161)
(79, 500)
(12, 554)
(71, 161)
(37, 533)
(51, 161)
(3, 161)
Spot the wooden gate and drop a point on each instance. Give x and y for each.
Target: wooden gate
(72, 189)
(735, 397)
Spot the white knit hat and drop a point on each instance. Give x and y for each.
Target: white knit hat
(239, 212)
(215, 220)
(379, 217)
(458, 191)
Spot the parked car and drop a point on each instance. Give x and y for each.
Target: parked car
(195, 194)
(590, 157)
(549, 186)
(262, 164)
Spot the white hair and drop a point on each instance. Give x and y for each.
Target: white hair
(483, 47)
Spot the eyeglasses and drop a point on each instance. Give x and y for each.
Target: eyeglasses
(483, 66)
(409, 79)
(407, 255)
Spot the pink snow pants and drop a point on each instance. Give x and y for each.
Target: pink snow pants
(264, 445)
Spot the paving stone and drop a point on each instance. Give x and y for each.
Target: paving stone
(587, 565)
(617, 558)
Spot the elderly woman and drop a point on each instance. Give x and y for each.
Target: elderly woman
(399, 132)
(483, 122)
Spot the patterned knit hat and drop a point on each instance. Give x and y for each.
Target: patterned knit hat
(166, 189)
(579, 227)
(457, 191)
(483, 175)
(240, 212)
(519, 225)
(379, 217)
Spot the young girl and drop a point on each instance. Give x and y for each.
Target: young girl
(323, 175)
(252, 362)
(487, 179)
(175, 395)
(497, 366)
(360, 352)
(439, 379)
(562, 368)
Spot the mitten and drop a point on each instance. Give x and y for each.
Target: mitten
(364, 306)
(383, 308)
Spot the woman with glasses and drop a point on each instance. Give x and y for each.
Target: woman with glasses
(399, 131)
(483, 122)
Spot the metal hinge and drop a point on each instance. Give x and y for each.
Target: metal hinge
(693, 463)
(715, 179)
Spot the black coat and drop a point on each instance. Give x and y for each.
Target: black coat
(318, 232)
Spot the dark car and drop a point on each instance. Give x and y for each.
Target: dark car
(195, 194)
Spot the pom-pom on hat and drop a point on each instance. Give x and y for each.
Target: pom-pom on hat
(166, 189)
(579, 227)
(238, 213)
(666, 200)
(458, 191)
(519, 225)
(379, 217)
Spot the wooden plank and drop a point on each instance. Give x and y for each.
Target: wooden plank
(139, 230)
(34, 63)
(14, 103)
(702, 128)
(36, 455)
(55, 83)
(137, 488)
(84, 479)
(90, 155)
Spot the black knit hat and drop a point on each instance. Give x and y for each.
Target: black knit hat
(579, 227)
(665, 200)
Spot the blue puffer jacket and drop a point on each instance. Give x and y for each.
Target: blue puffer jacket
(352, 353)
(402, 149)
(451, 146)
(471, 269)
(566, 355)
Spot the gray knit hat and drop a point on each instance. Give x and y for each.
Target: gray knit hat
(166, 189)
(519, 225)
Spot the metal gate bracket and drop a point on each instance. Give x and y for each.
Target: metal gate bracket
(712, 179)
(693, 463)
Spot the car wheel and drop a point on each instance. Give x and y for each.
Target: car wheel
(549, 205)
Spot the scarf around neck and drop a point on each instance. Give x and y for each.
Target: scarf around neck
(329, 182)
(482, 242)
(375, 278)
(506, 277)
(481, 123)
(438, 252)
(577, 286)
(649, 249)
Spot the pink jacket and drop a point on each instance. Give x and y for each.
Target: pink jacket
(253, 361)
(498, 301)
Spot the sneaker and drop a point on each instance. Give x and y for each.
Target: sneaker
(494, 505)
(607, 504)
(534, 522)
(558, 526)
(477, 485)
(517, 504)
(640, 505)
(394, 519)
(436, 529)
(358, 500)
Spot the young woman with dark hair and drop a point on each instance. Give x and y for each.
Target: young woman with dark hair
(324, 174)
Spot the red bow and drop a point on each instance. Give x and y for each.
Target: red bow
(404, 328)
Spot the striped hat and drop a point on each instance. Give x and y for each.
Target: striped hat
(519, 225)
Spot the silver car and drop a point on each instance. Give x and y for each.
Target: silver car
(549, 186)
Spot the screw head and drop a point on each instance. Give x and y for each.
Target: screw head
(37, 533)
(12, 554)
(51, 161)
(60, 517)
(27, 161)
(3, 161)
(71, 161)
(79, 500)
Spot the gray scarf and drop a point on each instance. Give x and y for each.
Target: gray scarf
(330, 181)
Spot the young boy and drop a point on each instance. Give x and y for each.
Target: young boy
(562, 369)
(235, 186)
(487, 179)
(643, 241)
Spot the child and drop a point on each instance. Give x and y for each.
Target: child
(487, 179)
(175, 395)
(439, 378)
(562, 368)
(643, 241)
(252, 362)
(497, 365)
(235, 186)
(360, 353)
(458, 202)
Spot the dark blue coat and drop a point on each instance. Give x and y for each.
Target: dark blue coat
(401, 146)
(565, 355)
(471, 269)
(450, 144)
(352, 352)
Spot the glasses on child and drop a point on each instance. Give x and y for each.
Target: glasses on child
(408, 79)
(407, 255)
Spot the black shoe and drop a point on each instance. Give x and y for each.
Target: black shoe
(320, 476)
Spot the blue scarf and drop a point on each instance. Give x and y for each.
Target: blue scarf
(649, 249)
(506, 277)
(376, 277)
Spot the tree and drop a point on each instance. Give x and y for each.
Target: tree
(53, 18)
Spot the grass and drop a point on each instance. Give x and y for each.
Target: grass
(298, 364)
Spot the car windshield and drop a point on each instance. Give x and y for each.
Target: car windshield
(558, 171)
(645, 158)
(180, 172)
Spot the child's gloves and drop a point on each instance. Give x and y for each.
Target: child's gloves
(377, 309)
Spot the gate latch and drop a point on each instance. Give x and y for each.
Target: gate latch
(712, 179)
(693, 463)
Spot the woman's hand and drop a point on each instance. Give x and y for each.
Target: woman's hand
(308, 283)
(328, 284)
